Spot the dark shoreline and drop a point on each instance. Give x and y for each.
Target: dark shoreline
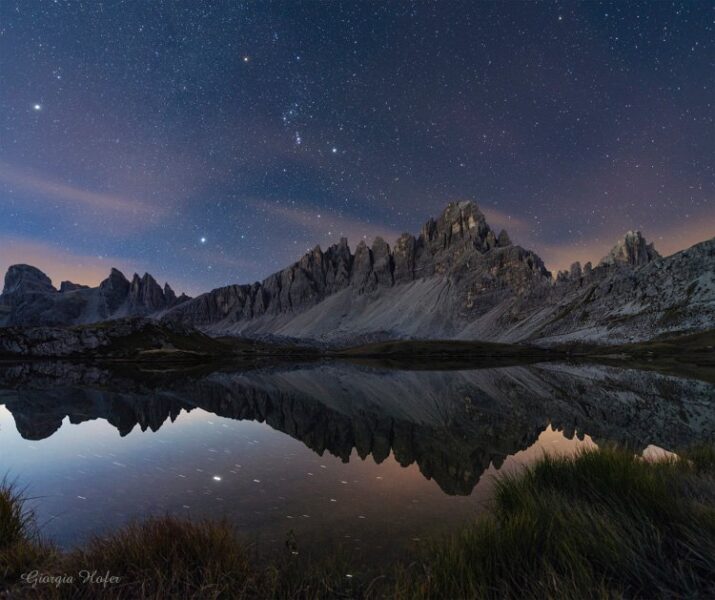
(691, 355)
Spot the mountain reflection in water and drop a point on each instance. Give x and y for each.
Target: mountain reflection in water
(453, 425)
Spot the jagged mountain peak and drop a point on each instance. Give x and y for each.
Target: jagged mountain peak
(29, 298)
(631, 250)
(22, 278)
(456, 252)
(460, 223)
(169, 294)
(114, 279)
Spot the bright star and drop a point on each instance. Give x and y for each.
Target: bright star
(203, 240)
(246, 59)
(334, 150)
(37, 106)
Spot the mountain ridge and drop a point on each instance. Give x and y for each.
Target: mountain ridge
(456, 279)
(29, 299)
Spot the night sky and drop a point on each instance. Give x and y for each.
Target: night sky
(215, 144)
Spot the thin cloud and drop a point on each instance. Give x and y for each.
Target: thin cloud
(498, 220)
(325, 227)
(77, 198)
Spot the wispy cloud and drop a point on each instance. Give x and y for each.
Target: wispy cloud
(82, 201)
(324, 226)
(499, 219)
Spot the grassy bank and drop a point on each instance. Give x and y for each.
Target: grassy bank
(603, 524)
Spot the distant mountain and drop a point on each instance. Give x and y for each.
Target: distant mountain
(30, 299)
(633, 294)
(431, 285)
(457, 279)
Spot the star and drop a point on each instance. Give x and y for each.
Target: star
(203, 240)
(37, 107)
(246, 59)
(334, 150)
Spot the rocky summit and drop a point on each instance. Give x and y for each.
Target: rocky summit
(459, 279)
(30, 299)
(632, 251)
(456, 270)
(456, 279)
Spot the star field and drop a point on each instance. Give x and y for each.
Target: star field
(214, 143)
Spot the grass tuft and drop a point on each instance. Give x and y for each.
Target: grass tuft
(167, 558)
(21, 549)
(15, 519)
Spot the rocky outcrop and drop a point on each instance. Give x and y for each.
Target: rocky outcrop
(631, 251)
(25, 279)
(69, 286)
(169, 295)
(363, 277)
(614, 302)
(145, 295)
(114, 290)
(30, 299)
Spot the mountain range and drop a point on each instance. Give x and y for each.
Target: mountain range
(457, 279)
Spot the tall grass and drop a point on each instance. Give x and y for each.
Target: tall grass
(602, 524)
(599, 525)
(15, 519)
(20, 545)
(169, 558)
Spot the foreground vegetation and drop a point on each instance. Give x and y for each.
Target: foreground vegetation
(603, 524)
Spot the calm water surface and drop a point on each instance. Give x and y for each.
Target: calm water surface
(369, 460)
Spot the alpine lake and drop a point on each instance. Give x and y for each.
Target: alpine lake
(320, 457)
